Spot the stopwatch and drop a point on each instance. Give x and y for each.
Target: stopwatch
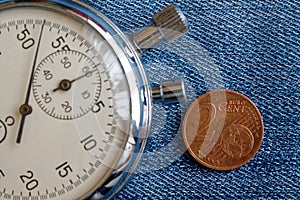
(76, 104)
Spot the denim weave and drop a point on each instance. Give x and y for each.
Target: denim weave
(254, 46)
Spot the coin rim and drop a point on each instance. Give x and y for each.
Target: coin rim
(257, 147)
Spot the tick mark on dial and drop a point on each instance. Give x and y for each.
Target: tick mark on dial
(82, 110)
(2, 174)
(52, 111)
(80, 58)
(51, 60)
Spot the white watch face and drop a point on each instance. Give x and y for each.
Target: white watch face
(74, 122)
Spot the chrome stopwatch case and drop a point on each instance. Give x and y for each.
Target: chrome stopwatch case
(75, 107)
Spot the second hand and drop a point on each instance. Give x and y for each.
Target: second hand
(26, 109)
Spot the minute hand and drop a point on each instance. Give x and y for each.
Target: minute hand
(26, 109)
(66, 84)
(84, 75)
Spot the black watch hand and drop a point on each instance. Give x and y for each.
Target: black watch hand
(26, 109)
(66, 85)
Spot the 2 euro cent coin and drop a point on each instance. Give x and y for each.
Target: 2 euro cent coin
(223, 129)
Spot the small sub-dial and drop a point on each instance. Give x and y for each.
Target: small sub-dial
(67, 84)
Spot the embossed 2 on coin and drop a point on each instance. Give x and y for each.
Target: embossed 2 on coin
(223, 129)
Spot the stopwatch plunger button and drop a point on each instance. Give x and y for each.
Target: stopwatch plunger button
(170, 92)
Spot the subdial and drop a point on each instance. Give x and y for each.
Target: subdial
(67, 84)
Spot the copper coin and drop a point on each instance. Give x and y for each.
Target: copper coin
(223, 129)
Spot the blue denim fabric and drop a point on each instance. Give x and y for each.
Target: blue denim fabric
(252, 47)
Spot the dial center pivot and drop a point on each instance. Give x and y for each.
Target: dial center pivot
(64, 85)
(25, 109)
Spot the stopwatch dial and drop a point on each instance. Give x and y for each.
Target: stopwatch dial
(74, 136)
(67, 84)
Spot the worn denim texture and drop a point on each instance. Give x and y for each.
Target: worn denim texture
(252, 47)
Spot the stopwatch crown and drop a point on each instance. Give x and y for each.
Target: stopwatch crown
(171, 23)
